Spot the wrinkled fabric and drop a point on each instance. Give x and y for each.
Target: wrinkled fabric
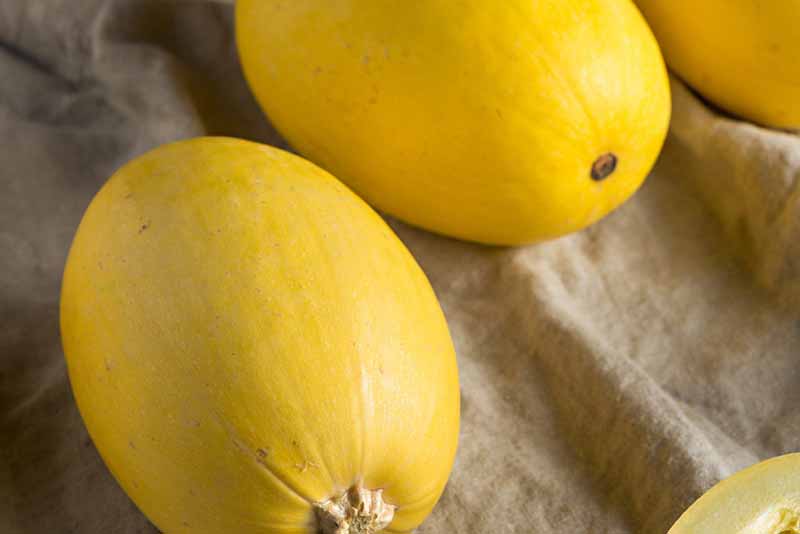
(608, 378)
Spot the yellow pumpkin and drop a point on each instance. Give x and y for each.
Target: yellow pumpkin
(502, 122)
(742, 55)
(253, 350)
(762, 499)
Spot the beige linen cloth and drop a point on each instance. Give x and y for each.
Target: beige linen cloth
(608, 378)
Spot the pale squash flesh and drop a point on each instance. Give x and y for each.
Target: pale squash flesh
(762, 499)
(503, 122)
(246, 340)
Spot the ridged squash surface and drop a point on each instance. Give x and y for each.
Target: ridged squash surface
(502, 122)
(246, 339)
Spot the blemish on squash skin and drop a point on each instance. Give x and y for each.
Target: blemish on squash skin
(144, 227)
(305, 466)
(261, 456)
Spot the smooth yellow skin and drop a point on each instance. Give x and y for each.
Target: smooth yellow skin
(477, 119)
(742, 55)
(762, 499)
(245, 336)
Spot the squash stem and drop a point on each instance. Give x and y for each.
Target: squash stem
(356, 511)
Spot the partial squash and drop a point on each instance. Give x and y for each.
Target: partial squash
(762, 499)
(742, 55)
